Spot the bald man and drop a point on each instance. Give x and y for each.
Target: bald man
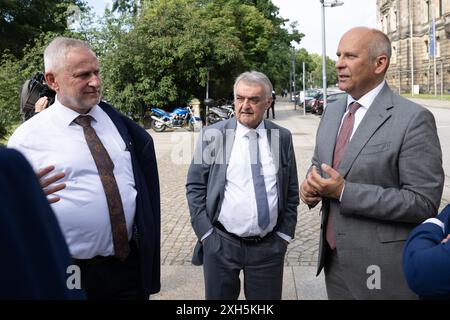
(377, 169)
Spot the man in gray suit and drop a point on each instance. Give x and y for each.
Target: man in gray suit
(377, 168)
(242, 191)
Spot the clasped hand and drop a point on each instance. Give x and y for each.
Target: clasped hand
(314, 188)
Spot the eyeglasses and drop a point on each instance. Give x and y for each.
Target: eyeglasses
(251, 100)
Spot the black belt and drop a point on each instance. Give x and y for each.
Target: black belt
(94, 260)
(247, 240)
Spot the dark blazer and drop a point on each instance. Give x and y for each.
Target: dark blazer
(34, 253)
(206, 178)
(426, 261)
(393, 181)
(147, 231)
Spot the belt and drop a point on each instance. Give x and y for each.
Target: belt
(94, 260)
(247, 240)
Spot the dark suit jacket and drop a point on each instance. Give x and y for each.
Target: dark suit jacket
(426, 262)
(206, 178)
(393, 181)
(148, 210)
(33, 251)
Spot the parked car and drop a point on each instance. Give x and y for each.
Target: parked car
(331, 97)
(311, 101)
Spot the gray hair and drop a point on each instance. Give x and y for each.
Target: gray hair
(379, 44)
(255, 77)
(56, 52)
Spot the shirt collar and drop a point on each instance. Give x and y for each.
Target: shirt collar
(366, 100)
(242, 130)
(67, 115)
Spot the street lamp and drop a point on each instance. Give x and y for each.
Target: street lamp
(331, 4)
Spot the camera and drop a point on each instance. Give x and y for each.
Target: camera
(34, 88)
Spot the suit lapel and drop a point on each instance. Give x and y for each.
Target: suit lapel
(377, 114)
(331, 130)
(228, 132)
(115, 118)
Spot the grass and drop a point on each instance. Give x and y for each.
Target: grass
(427, 96)
(11, 128)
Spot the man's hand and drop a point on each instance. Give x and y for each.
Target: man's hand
(48, 181)
(446, 239)
(331, 187)
(308, 194)
(41, 104)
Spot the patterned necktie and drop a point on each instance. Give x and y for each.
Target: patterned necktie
(342, 141)
(105, 168)
(258, 180)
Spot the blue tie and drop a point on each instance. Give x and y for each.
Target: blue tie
(258, 180)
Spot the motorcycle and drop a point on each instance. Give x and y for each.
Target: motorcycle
(219, 113)
(181, 117)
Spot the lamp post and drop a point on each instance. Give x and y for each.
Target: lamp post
(331, 4)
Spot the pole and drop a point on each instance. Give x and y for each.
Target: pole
(207, 98)
(442, 77)
(411, 46)
(290, 84)
(207, 85)
(293, 77)
(304, 91)
(324, 61)
(434, 54)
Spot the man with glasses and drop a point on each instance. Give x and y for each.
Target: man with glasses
(242, 191)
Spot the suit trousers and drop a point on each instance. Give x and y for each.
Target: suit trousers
(334, 278)
(110, 278)
(262, 265)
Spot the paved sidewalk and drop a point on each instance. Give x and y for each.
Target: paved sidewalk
(182, 280)
(432, 103)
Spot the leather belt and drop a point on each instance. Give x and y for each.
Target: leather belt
(94, 260)
(247, 240)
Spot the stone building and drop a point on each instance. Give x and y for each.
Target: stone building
(408, 24)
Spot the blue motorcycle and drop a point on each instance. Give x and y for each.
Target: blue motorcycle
(181, 117)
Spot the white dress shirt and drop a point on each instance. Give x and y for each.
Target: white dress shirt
(51, 138)
(239, 213)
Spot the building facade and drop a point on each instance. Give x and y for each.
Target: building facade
(409, 25)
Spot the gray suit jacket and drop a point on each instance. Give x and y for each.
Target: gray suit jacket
(206, 178)
(394, 181)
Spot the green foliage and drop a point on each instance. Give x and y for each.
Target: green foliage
(9, 70)
(316, 74)
(21, 21)
(163, 56)
(160, 52)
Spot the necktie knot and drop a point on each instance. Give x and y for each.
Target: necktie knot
(252, 135)
(353, 107)
(84, 121)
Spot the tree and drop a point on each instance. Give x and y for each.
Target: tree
(162, 57)
(301, 56)
(21, 21)
(317, 73)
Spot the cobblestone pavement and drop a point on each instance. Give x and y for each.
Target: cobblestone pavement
(174, 151)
